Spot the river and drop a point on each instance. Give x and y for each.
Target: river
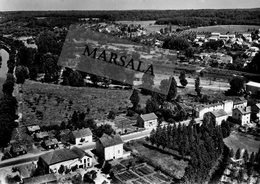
(4, 68)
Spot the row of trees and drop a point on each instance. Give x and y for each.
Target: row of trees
(204, 144)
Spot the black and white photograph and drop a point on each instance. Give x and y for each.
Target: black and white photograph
(129, 92)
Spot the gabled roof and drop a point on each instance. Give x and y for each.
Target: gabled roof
(82, 133)
(41, 135)
(62, 155)
(147, 117)
(112, 140)
(219, 113)
(40, 179)
(33, 128)
(50, 142)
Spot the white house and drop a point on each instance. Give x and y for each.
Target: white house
(147, 120)
(242, 114)
(52, 161)
(110, 147)
(219, 116)
(81, 136)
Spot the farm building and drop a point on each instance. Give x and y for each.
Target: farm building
(253, 87)
(81, 136)
(110, 147)
(75, 157)
(147, 120)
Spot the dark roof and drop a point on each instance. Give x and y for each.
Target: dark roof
(40, 179)
(62, 155)
(147, 117)
(239, 100)
(50, 142)
(112, 140)
(82, 133)
(219, 113)
(79, 152)
(245, 110)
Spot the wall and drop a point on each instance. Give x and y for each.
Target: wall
(151, 124)
(220, 119)
(88, 139)
(114, 152)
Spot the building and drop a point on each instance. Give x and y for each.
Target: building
(18, 149)
(41, 136)
(240, 102)
(256, 110)
(147, 120)
(75, 157)
(242, 115)
(81, 136)
(43, 179)
(51, 143)
(253, 87)
(33, 129)
(218, 115)
(110, 147)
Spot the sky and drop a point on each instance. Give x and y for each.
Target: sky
(11, 5)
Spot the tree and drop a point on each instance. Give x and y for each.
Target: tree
(147, 81)
(151, 105)
(246, 156)
(183, 79)
(111, 114)
(21, 73)
(238, 152)
(8, 88)
(75, 79)
(172, 90)
(189, 52)
(237, 86)
(77, 179)
(254, 65)
(61, 169)
(134, 98)
(178, 43)
(197, 86)
(51, 69)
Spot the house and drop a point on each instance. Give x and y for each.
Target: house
(50, 143)
(253, 87)
(218, 115)
(240, 102)
(18, 149)
(43, 179)
(256, 110)
(33, 129)
(81, 136)
(147, 120)
(41, 136)
(242, 115)
(75, 157)
(26, 170)
(110, 147)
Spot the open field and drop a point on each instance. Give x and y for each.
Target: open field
(239, 140)
(47, 104)
(164, 160)
(223, 29)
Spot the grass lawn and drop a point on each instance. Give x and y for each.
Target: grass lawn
(239, 140)
(223, 29)
(166, 161)
(47, 104)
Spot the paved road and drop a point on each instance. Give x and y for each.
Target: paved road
(30, 157)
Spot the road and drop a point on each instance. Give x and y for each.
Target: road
(34, 157)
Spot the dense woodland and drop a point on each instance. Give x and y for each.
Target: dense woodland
(192, 18)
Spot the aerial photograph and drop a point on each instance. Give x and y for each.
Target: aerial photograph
(129, 92)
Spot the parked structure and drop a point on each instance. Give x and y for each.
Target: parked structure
(147, 120)
(110, 147)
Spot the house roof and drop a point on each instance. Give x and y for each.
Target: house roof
(82, 133)
(26, 170)
(16, 147)
(239, 100)
(112, 140)
(62, 155)
(40, 179)
(245, 110)
(257, 105)
(50, 142)
(147, 117)
(33, 128)
(254, 84)
(219, 113)
(41, 135)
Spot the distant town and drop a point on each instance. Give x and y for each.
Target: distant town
(61, 125)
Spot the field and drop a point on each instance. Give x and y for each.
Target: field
(138, 172)
(239, 140)
(48, 104)
(223, 29)
(164, 160)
